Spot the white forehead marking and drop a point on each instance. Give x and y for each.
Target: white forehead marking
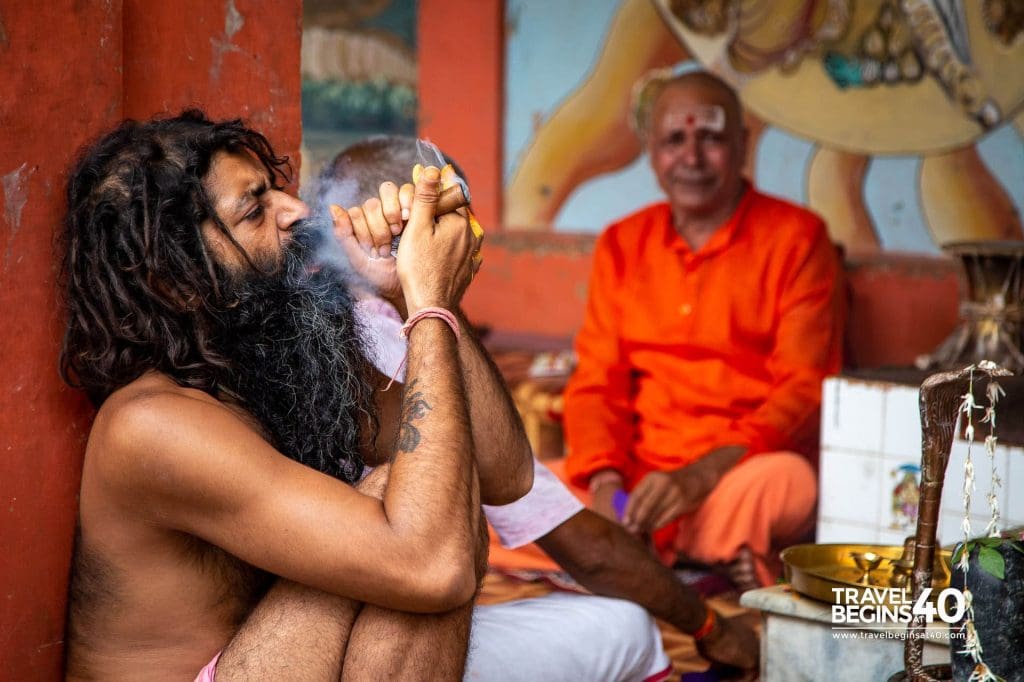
(701, 117)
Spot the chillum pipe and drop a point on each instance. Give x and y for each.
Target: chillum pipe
(451, 199)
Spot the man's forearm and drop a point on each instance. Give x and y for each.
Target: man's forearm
(697, 480)
(608, 561)
(433, 483)
(503, 453)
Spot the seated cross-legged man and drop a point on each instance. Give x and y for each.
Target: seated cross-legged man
(560, 636)
(225, 527)
(712, 319)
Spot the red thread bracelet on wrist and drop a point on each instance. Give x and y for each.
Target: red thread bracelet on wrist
(433, 311)
(709, 624)
(422, 314)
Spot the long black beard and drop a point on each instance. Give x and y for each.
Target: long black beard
(298, 363)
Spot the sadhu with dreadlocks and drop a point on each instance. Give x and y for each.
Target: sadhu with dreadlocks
(223, 490)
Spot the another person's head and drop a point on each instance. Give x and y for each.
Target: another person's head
(182, 256)
(358, 171)
(692, 128)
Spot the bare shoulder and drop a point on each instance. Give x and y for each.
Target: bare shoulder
(141, 415)
(152, 390)
(154, 436)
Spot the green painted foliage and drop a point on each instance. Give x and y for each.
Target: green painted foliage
(374, 105)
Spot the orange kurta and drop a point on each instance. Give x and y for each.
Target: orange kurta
(682, 352)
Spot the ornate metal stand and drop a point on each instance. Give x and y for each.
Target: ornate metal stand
(991, 307)
(940, 403)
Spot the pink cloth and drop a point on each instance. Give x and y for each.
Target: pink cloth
(209, 671)
(548, 505)
(381, 326)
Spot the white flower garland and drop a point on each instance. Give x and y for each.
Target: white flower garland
(972, 643)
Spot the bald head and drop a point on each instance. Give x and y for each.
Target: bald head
(706, 87)
(358, 171)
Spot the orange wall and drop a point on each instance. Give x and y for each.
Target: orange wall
(901, 306)
(534, 285)
(69, 71)
(241, 63)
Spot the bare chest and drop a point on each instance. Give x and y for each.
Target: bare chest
(175, 602)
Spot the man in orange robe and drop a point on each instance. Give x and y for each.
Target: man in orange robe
(712, 319)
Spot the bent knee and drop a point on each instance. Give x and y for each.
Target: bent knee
(780, 470)
(610, 623)
(629, 615)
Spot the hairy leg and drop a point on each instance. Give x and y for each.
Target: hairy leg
(392, 645)
(296, 632)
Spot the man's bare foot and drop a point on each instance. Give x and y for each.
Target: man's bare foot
(742, 571)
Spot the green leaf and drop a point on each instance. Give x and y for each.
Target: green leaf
(992, 562)
(1015, 545)
(956, 555)
(990, 542)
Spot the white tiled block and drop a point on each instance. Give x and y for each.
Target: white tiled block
(901, 432)
(849, 488)
(888, 536)
(851, 414)
(830, 531)
(953, 487)
(1013, 487)
(795, 649)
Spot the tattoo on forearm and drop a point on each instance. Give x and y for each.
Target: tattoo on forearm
(414, 407)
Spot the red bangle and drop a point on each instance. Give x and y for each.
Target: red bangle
(424, 313)
(709, 624)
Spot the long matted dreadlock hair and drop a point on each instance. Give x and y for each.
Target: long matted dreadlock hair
(139, 282)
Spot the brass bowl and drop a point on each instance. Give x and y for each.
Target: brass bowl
(814, 570)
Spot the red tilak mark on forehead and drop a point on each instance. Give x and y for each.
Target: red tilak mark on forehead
(690, 119)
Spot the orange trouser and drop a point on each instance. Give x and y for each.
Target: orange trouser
(765, 503)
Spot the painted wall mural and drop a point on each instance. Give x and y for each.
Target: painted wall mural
(900, 121)
(358, 74)
(906, 497)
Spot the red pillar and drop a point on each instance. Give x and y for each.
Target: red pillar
(234, 58)
(461, 91)
(68, 72)
(60, 84)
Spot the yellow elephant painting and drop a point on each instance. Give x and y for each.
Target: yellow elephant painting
(858, 82)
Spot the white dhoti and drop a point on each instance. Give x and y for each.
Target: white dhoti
(563, 636)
